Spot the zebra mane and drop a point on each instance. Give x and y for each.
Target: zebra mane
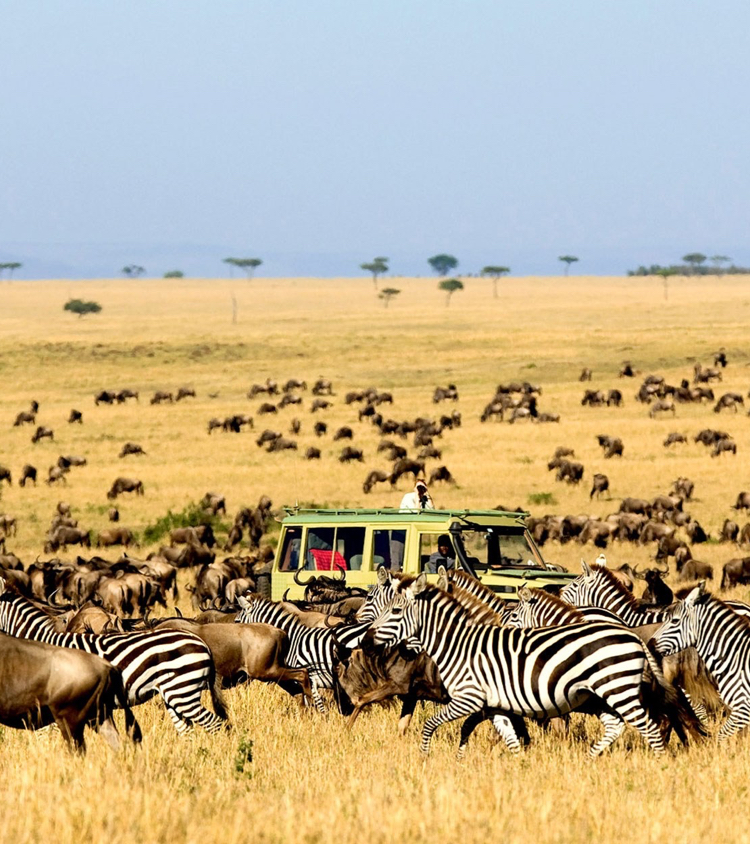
(739, 621)
(555, 603)
(466, 581)
(618, 587)
(479, 612)
(430, 592)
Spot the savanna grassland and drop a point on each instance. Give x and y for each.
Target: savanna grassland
(281, 775)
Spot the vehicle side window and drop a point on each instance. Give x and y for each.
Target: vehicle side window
(388, 549)
(331, 549)
(290, 552)
(432, 555)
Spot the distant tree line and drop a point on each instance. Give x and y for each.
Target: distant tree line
(694, 263)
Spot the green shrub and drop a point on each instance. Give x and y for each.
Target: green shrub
(539, 498)
(81, 307)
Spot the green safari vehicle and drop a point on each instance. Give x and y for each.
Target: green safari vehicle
(490, 544)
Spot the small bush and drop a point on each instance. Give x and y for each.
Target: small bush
(541, 498)
(81, 307)
(174, 274)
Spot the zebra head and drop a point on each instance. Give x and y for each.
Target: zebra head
(681, 630)
(580, 591)
(378, 597)
(398, 621)
(523, 613)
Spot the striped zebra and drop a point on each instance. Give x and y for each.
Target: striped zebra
(450, 580)
(178, 666)
(313, 648)
(722, 639)
(537, 608)
(510, 673)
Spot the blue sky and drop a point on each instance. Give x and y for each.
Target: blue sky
(316, 135)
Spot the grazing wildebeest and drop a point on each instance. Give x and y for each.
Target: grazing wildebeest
(322, 387)
(267, 408)
(735, 571)
(730, 531)
(8, 524)
(125, 485)
(374, 477)
(441, 473)
(627, 370)
(319, 404)
(568, 470)
(130, 448)
(268, 436)
(295, 426)
(427, 453)
(28, 473)
(65, 461)
(614, 397)
(288, 399)
(343, 433)
(43, 684)
(43, 433)
(729, 446)
(124, 395)
(674, 438)
(184, 393)
(214, 424)
(601, 484)
(320, 429)
(162, 396)
(406, 466)
(613, 446)
(25, 417)
(662, 406)
(55, 474)
(683, 488)
(449, 393)
(593, 398)
(312, 453)
(281, 444)
(105, 397)
(115, 536)
(5, 475)
(113, 514)
(75, 416)
(294, 384)
(586, 374)
(271, 388)
(63, 536)
(213, 504)
(729, 401)
(349, 453)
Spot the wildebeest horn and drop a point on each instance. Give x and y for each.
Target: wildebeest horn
(665, 570)
(285, 597)
(638, 574)
(343, 574)
(301, 583)
(326, 622)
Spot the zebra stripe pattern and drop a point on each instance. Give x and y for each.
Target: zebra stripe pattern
(178, 666)
(537, 608)
(508, 672)
(722, 639)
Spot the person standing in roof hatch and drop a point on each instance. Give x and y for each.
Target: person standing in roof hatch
(420, 499)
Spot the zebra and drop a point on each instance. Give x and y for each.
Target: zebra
(722, 639)
(176, 665)
(313, 648)
(465, 581)
(507, 673)
(537, 608)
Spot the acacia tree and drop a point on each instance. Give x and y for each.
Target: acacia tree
(718, 260)
(247, 265)
(377, 267)
(81, 307)
(133, 270)
(496, 273)
(450, 286)
(387, 294)
(442, 264)
(174, 274)
(11, 266)
(695, 259)
(567, 260)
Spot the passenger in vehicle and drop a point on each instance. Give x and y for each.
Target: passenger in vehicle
(444, 556)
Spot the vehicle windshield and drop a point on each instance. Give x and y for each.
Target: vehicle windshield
(492, 547)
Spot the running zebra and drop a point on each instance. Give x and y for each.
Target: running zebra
(178, 666)
(509, 673)
(313, 648)
(722, 639)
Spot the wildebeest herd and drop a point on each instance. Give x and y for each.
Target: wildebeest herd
(100, 622)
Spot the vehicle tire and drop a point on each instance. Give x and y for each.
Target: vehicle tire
(263, 582)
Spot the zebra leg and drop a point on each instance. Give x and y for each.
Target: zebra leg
(505, 726)
(630, 709)
(457, 708)
(181, 725)
(317, 699)
(613, 728)
(738, 718)
(467, 728)
(184, 705)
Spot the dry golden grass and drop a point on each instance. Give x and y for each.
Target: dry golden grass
(309, 779)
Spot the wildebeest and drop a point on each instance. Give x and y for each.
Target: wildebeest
(674, 438)
(662, 406)
(28, 473)
(267, 408)
(75, 416)
(614, 397)
(124, 395)
(105, 397)
(213, 504)
(113, 514)
(130, 448)
(656, 592)
(343, 433)
(42, 433)
(214, 424)
(63, 536)
(441, 473)
(730, 531)
(735, 571)
(65, 461)
(593, 398)
(683, 488)
(319, 404)
(6, 475)
(709, 437)
(374, 477)
(8, 524)
(449, 393)
(601, 484)
(288, 399)
(294, 384)
(320, 429)
(115, 536)
(25, 417)
(281, 444)
(406, 466)
(312, 453)
(162, 396)
(322, 387)
(743, 501)
(586, 374)
(613, 446)
(121, 485)
(55, 474)
(729, 401)
(268, 436)
(295, 426)
(271, 388)
(185, 393)
(724, 446)
(348, 453)
(569, 471)
(42, 684)
(626, 370)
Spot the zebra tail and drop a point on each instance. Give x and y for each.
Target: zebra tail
(668, 705)
(217, 698)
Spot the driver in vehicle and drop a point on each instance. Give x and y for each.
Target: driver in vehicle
(444, 556)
